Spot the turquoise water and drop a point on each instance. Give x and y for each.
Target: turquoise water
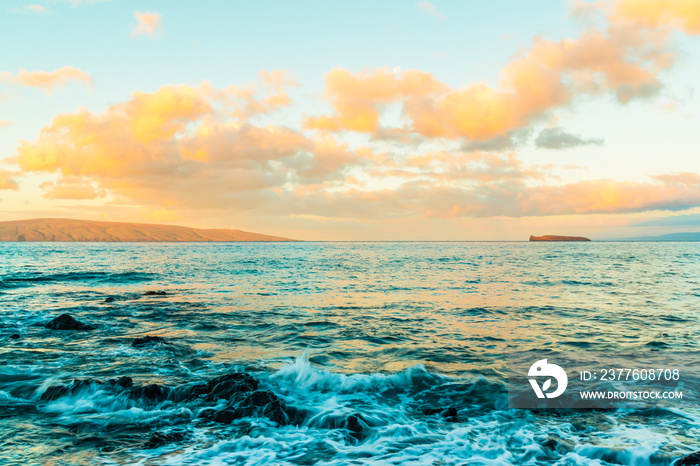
(408, 341)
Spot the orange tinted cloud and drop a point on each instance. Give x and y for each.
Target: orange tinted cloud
(608, 196)
(71, 188)
(267, 95)
(682, 14)
(548, 76)
(357, 98)
(499, 197)
(147, 23)
(6, 181)
(175, 147)
(45, 80)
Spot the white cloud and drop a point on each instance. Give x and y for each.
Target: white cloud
(147, 23)
(430, 9)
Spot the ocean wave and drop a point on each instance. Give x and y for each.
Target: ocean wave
(28, 279)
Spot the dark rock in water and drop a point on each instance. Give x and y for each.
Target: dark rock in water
(155, 293)
(67, 322)
(109, 299)
(226, 386)
(692, 459)
(15, 336)
(262, 403)
(124, 382)
(158, 439)
(260, 398)
(429, 411)
(558, 444)
(58, 391)
(450, 414)
(275, 411)
(148, 339)
(188, 392)
(357, 425)
(227, 416)
(55, 392)
(153, 392)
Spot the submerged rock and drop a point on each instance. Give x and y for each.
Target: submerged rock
(109, 299)
(124, 382)
(68, 322)
(226, 386)
(188, 392)
(558, 444)
(155, 293)
(357, 426)
(261, 403)
(148, 339)
(15, 336)
(356, 423)
(159, 439)
(222, 399)
(692, 459)
(227, 416)
(259, 398)
(276, 412)
(152, 392)
(55, 392)
(450, 414)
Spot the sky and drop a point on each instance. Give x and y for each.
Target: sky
(393, 120)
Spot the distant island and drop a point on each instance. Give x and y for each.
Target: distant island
(64, 229)
(558, 238)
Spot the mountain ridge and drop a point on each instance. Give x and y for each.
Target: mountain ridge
(73, 230)
(679, 236)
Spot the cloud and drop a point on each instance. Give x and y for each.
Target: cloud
(33, 8)
(499, 143)
(357, 98)
(78, 2)
(430, 9)
(6, 123)
(71, 188)
(193, 149)
(501, 198)
(679, 178)
(548, 76)
(557, 138)
(267, 95)
(147, 23)
(609, 196)
(47, 80)
(6, 182)
(179, 147)
(625, 57)
(681, 14)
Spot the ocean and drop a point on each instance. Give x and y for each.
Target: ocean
(332, 353)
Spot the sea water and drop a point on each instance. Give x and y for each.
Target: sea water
(388, 353)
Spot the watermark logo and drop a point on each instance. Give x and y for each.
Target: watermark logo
(543, 369)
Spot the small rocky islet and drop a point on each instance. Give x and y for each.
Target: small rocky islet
(558, 238)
